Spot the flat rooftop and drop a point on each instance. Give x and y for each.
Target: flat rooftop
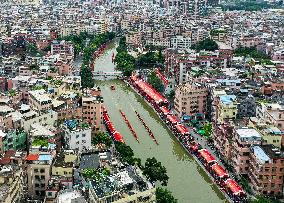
(248, 134)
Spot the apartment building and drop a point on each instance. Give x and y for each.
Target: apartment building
(39, 100)
(38, 173)
(77, 135)
(266, 170)
(243, 139)
(14, 140)
(62, 48)
(226, 108)
(222, 136)
(180, 42)
(92, 110)
(191, 99)
(272, 113)
(11, 184)
(32, 117)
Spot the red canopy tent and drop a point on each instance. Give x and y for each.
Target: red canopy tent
(118, 137)
(162, 77)
(207, 156)
(110, 127)
(151, 92)
(106, 118)
(219, 170)
(165, 110)
(233, 186)
(194, 147)
(182, 129)
(172, 119)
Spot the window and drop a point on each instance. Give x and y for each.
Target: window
(42, 170)
(77, 136)
(83, 135)
(49, 194)
(36, 170)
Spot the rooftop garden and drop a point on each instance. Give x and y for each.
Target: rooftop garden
(84, 125)
(217, 31)
(40, 141)
(37, 87)
(97, 175)
(55, 82)
(12, 93)
(252, 52)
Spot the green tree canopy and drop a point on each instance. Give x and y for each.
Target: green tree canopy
(164, 196)
(151, 59)
(125, 152)
(207, 44)
(101, 138)
(125, 62)
(252, 52)
(154, 171)
(155, 82)
(207, 129)
(262, 199)
(86, 77)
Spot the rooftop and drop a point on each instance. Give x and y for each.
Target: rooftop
(249, 134)
(227, 99)
(70, 196)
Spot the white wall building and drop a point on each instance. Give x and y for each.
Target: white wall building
(78, 138)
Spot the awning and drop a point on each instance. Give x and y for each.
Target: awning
(186, 117)
(172, 119)
(110, 127)
(162, 77)
(151, 92)
(219, 170)
(32, 157)
(165, 110)
(233, 186)
(118, 137)
(207, 156)
(182, 129)
(106, 118)
(201, 132)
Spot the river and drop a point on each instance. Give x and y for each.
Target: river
(188, 182)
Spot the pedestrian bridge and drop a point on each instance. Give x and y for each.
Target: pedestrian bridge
(107, 75)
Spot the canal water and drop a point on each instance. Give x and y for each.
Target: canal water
(188, 182)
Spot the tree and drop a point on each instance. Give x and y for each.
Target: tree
(125, 152)
(32, 49)
(86, 77)
(154, 171)
(207, 129)
(101, 138)
(164, 196)
(171, 95)
(207, 45)
(156, 82)
(151, 59)
(250, 51)
(262, 199)
(125, 63)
